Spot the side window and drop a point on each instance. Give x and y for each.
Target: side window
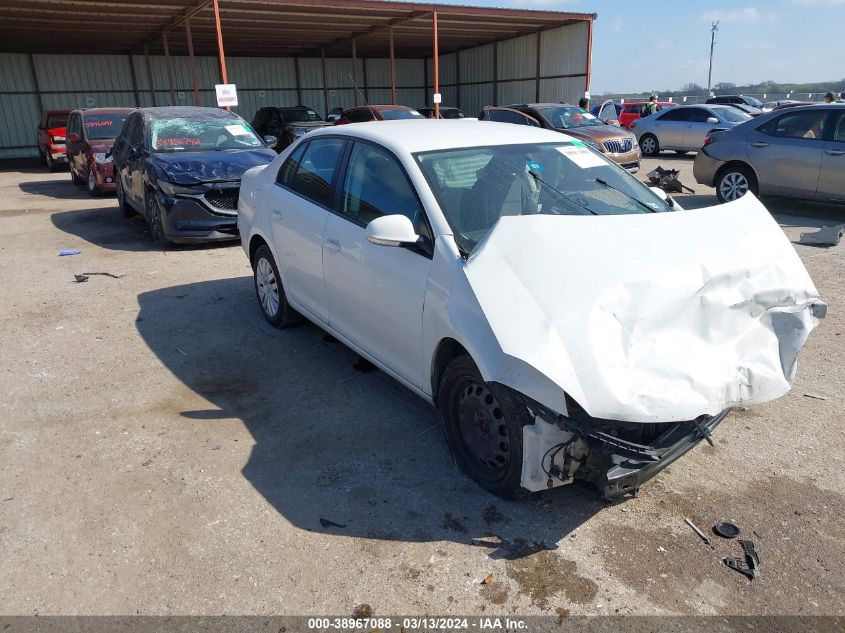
(675, 114)
(699, 115)
(506, 116)
(315, 172)
(839, 132)
(807, 124)
(376, 185)
(360, 115)
(289, 166)
(136, 133)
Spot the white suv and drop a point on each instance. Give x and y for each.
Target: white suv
(567, 321)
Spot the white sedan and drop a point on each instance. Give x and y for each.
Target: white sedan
(567, 321)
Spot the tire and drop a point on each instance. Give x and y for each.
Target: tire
(649, 145)
(42, 158)
(735, 181)
(153, 215)
(51, 164)
(269, 290)
(483, 425)
(91, 184)
(74, 178)
(122, 204)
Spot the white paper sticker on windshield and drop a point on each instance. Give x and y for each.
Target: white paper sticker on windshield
(581, 156)
(237, 130)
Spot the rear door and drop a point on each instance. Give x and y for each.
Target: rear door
(832, 172)
(697, 127)
(376, 293)
(298, 205)
(787, 152)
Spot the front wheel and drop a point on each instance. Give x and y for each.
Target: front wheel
(269, 290)
(734, 182)
(91, 184)
(122, 204)
(153, 213)
(649, 145)
(483, 424)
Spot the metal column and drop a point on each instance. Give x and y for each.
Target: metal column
(392, 70)
(191, 61)
(589, 56)
(169, 67)
(436, 63)
(325, 85)
(134, 78)
(220, 52)
(354, 68)
(151, 84)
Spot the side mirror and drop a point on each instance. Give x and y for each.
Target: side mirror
(712, 120)
(392, 230)
(271, 141)
(73, 137)
(659, 193)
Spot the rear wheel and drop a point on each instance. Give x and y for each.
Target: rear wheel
(269, 290)
(649, 145)
(483, 424)
(733, 182)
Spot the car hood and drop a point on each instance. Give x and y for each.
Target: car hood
(195, 167)
(599, 134)
(645, 318)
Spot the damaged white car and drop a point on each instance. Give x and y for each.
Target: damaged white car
(567, 321)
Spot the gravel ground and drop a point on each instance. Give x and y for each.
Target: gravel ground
(164, 451)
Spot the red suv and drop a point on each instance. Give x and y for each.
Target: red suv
(632, 111)
(377, 113)
(50, 138)
(90, 137)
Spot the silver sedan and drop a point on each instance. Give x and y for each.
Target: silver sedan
(799, 152)
(684, 128)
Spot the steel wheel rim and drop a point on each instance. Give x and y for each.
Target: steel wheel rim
(733, 186)
(268, 287)
(92, 183)
(648, 145)
(483, 429)
(156, 229)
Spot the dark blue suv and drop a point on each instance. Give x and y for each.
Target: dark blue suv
(181, 168)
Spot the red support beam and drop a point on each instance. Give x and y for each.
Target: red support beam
(589, 55)
(436, 63)
(221, 54)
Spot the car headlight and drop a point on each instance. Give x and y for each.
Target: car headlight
(102, 158)
(172, 189)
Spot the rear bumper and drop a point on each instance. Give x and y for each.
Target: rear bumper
(188, 220)
(704, 169)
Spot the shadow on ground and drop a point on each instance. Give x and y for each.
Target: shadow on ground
(337, 450)
(106, 227)
(62, 189)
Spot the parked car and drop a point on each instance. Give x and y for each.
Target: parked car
(749, 110)
(286, 124)
(798, 152)
(607, 111)
(446, 112)
(619, 145)
(633, 110)
(334, 114)
(517, 280)
(363, 114)
(50, 138)
(684, 128)
(771, 105)
(729, 99)
(792, 104)
(90, 137)
(181, 168)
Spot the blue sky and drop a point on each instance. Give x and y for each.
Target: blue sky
(652, 45)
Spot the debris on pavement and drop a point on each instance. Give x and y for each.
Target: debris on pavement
(667, 179)
(69, 251)
(362, 611)
(326, 523)
(726, 530)
(80, 278)
(815, 396)
(751, 569)
(112, 275)
(184, 353)
(487, 579)
(825, 236)
(699, 532)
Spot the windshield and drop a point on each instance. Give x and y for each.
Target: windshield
(56, 120)
(103, 126)
(732, 115)
(477, 186)
(300, 115)
(201, 133)
(392, 115)
(451, 113)
(565, 117)
(752, 101)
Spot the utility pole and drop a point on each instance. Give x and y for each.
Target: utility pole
(713, 28)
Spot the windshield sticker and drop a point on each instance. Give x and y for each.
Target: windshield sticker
(177, 142)
(534, 166)
(582, 157)
(237, 130)
(579, 143)
(106, 123)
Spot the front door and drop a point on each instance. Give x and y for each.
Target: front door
(299, 203)
(376, 293)
(832, 173)
(787, 152)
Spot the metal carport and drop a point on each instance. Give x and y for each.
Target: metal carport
(84, 53)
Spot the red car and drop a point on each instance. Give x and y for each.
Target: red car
(90, 137)
(50, 138)
(377, 113)
(631, 111)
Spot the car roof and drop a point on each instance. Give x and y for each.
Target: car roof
(422, 135)
(164, 112)
(105, 110)
(540, 105)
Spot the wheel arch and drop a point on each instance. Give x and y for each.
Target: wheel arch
(447, 350)
(256, 242)
(733, 164)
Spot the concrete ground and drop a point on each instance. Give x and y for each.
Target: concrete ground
(164, 451)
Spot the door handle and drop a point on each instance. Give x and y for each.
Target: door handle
(759, 144)
(835, 152)
(276, 213)
(333, 246)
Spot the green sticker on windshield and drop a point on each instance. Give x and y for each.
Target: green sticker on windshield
(579, 143)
